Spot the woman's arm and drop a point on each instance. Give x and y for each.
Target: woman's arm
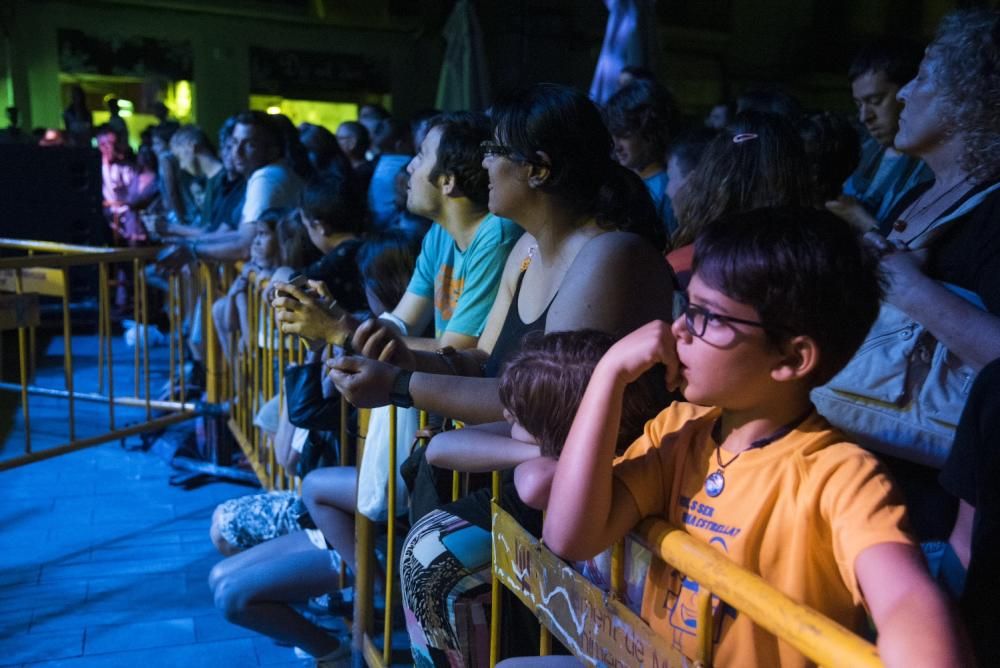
(366, 383)
(478, 450)
(967, 331)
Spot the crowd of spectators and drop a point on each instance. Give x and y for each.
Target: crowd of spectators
(777, 328)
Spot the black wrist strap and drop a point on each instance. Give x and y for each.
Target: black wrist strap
(400, 393)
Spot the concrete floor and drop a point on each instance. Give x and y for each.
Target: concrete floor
(102, 562)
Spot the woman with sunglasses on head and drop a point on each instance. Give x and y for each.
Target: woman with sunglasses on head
(590, 258)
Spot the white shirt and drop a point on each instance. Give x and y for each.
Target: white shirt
(273, 185)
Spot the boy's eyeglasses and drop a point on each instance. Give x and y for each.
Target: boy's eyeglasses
(696, 318)
(492, 149)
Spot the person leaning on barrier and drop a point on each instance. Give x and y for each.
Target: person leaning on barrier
(778, 302)
(259, 154)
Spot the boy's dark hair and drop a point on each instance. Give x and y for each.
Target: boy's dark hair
(805, 271)
(458, 153)
(689, 147)
(898, 58)
(645, 108)
(543, 383)
(832, 149)
(165, 132)
(335, 201)
(386, 264)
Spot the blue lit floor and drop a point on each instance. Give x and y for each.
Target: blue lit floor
(102, 562)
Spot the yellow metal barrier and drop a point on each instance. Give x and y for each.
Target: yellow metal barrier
(44, 269)
(599, 629)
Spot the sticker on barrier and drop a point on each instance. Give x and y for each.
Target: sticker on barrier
(598, 629)
(43, 280)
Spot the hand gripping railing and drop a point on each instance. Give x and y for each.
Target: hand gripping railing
(600, 630)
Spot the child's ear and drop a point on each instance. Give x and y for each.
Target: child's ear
(800, 357)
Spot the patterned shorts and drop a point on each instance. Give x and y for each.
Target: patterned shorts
(250, 520)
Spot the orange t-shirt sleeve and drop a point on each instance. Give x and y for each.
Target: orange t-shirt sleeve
(863, 508)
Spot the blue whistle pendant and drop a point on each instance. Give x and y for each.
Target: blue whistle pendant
(715, 483)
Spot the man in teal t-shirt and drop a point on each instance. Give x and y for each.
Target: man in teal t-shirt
(463, 255)
(463, 283)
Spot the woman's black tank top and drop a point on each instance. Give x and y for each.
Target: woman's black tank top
(513, 332)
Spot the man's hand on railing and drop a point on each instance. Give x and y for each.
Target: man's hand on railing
(173, 258)
(156, 224)
(379, 340)
(364, 382)
(307, 313)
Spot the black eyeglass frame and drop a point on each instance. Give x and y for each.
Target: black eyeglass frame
(497, 150)
(689, 311)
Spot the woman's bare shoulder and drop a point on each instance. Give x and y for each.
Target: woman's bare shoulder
(621, 250)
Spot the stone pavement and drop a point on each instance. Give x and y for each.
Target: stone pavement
(103, 563)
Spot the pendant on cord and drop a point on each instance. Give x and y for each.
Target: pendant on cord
(715, 483)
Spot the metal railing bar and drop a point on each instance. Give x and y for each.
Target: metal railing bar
(83, 443)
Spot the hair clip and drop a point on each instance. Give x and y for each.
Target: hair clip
(744, 136)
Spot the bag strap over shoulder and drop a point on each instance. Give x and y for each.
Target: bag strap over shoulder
(939, 225)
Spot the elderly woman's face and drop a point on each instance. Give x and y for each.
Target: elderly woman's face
(924, 123)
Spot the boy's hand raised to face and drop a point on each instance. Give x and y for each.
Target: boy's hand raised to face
(651, 344)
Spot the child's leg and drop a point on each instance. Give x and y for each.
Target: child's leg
(220, 311)
(446, 571)
(257, 596)
(330, 494)
(263, 553)
(541, 662)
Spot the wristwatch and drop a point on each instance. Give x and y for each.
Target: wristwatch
(448, 354)
(399, 395)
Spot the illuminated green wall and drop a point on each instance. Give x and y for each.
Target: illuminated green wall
(220, 47)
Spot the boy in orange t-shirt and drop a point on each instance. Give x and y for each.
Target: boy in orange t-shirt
(779, 300)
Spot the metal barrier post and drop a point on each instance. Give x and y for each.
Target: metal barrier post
(144, 328)
(68, 353)
(104, 314)
(390, 551)
(495, 599)
(364, 578)
(135, 316)
(22, 354)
